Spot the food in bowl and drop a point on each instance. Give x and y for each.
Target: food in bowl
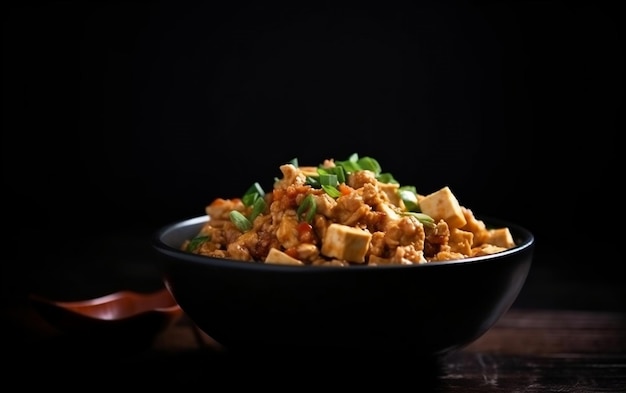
(343, 213)
(425, 299)
(424, 309)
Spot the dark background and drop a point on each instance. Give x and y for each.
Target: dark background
(121, 117)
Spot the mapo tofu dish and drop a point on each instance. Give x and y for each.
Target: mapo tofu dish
(343, 213)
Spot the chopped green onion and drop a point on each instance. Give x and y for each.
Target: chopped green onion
(341, 174)
(327, 176)
(332, 191)
(337, 171)
(425, 219)
(197, 242)
(351, 164)
(370, 164)
(258, 208)
(307, 206)
(313, 182)
(240, 221)
(386, 178)
(294, 162)
(409, 197)
(328, 180)
(252, 194)
(409, 188)
(354, 164)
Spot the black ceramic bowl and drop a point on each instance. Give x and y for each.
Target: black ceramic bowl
(428, 309)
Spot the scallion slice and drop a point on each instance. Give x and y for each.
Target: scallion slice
(328, 179)
(386, 178)
(351, 164)
(341, 174)
(197, 242)
(240, 221)
(425, 219)
(258, 208)
(370, 164)
(308, 208)
(409, 197)
(332, 191)
(252, 194)
(313, 181)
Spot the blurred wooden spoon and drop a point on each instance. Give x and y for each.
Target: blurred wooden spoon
(123, 313)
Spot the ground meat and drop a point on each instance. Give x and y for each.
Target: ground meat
(398, 236)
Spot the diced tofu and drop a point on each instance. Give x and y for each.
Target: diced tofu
(278, 257)
(391, 190)
(461, 241)
(391, 214)
(500, 237)
(376, 260)
(473, 225)
(346, 243)
(443, 205)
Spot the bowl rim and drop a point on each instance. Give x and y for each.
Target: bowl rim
(159, 244)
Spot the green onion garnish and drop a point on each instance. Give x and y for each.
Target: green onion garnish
(332, 191)
(240, 221)
(197, 242)
(349, 166)
(313, 182)
(252, 194)
(341, 174)
(258, 208)
(354, 163)
(425, 219)
(308, 208)
(328, 180)
(386, 178)
(370, 164)
(409, 197)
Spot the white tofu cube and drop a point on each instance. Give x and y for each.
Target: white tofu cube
(346, 243)
(500, 237)
(391, 190)
(278, 257)
(461, 241)
(443, 205)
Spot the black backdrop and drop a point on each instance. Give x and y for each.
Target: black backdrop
(120, 117)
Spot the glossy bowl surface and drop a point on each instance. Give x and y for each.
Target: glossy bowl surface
(428, 309)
